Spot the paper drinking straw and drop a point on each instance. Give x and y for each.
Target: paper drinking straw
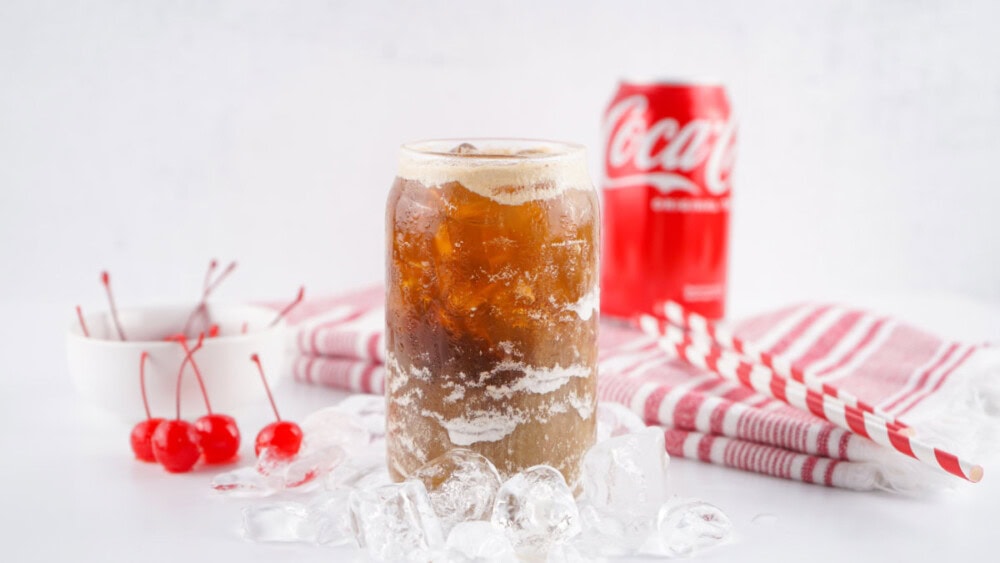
(703, 342)
(676, 314)
(777, 383)
(764, 380)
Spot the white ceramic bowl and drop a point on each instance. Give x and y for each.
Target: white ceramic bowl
(105, 370)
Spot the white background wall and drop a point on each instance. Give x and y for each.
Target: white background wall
(146, 137)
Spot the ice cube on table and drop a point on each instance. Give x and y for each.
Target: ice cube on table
(334, 427)
(358, 471)
(395, 522)
(369, 409)
(627, 475)
(309, 468)
(272, 463)
(330, 516)
(478, 542)
(605, 535)
(278, 522)
(376, 477)
(624, 483)
(302, 472)
(686, 525)
(462, 486)
(536, 510)
(246, 482)
(615, 419)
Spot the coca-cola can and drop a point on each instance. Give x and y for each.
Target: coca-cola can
(669, 148)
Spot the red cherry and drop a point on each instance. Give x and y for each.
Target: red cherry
(175, 445)
(142, 433)
(284, 437)
(142, 439)
(218, 436)
(175, 442)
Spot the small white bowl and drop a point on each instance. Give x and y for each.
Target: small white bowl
(105, 370)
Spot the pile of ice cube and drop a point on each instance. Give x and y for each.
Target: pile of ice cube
(456, 509)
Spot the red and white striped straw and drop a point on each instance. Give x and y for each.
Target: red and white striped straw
(764, 380)
(705, 342)
(678, 315)
(798, 390)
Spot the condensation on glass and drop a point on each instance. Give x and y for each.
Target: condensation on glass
(492, 304)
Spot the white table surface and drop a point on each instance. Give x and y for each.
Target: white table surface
(71, 490)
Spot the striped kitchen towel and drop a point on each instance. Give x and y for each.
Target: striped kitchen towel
(948, 391)
(349, 326)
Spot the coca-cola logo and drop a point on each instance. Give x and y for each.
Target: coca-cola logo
(665, 153)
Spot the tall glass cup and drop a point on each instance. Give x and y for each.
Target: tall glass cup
(492, 304)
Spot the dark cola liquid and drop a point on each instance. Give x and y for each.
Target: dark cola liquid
(491, 326)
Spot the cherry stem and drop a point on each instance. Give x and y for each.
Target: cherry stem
(208, 287)
(83, 324)
(142, 382)
(197, 372)
(223, 275)
(180, 374)
(256, 359)
(208, 274)
(106, 280)
(289, 307)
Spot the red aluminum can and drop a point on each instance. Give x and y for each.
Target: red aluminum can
(669, 149)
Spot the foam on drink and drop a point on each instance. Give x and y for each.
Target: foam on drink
(510, 172)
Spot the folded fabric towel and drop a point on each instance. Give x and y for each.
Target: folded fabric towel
(948, 391)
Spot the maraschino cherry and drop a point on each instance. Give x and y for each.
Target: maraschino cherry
(175, 442)
(219, 437)
(142, 433)
(283, 437)
(218, 434)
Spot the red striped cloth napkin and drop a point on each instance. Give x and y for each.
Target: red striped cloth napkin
(941, 388)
